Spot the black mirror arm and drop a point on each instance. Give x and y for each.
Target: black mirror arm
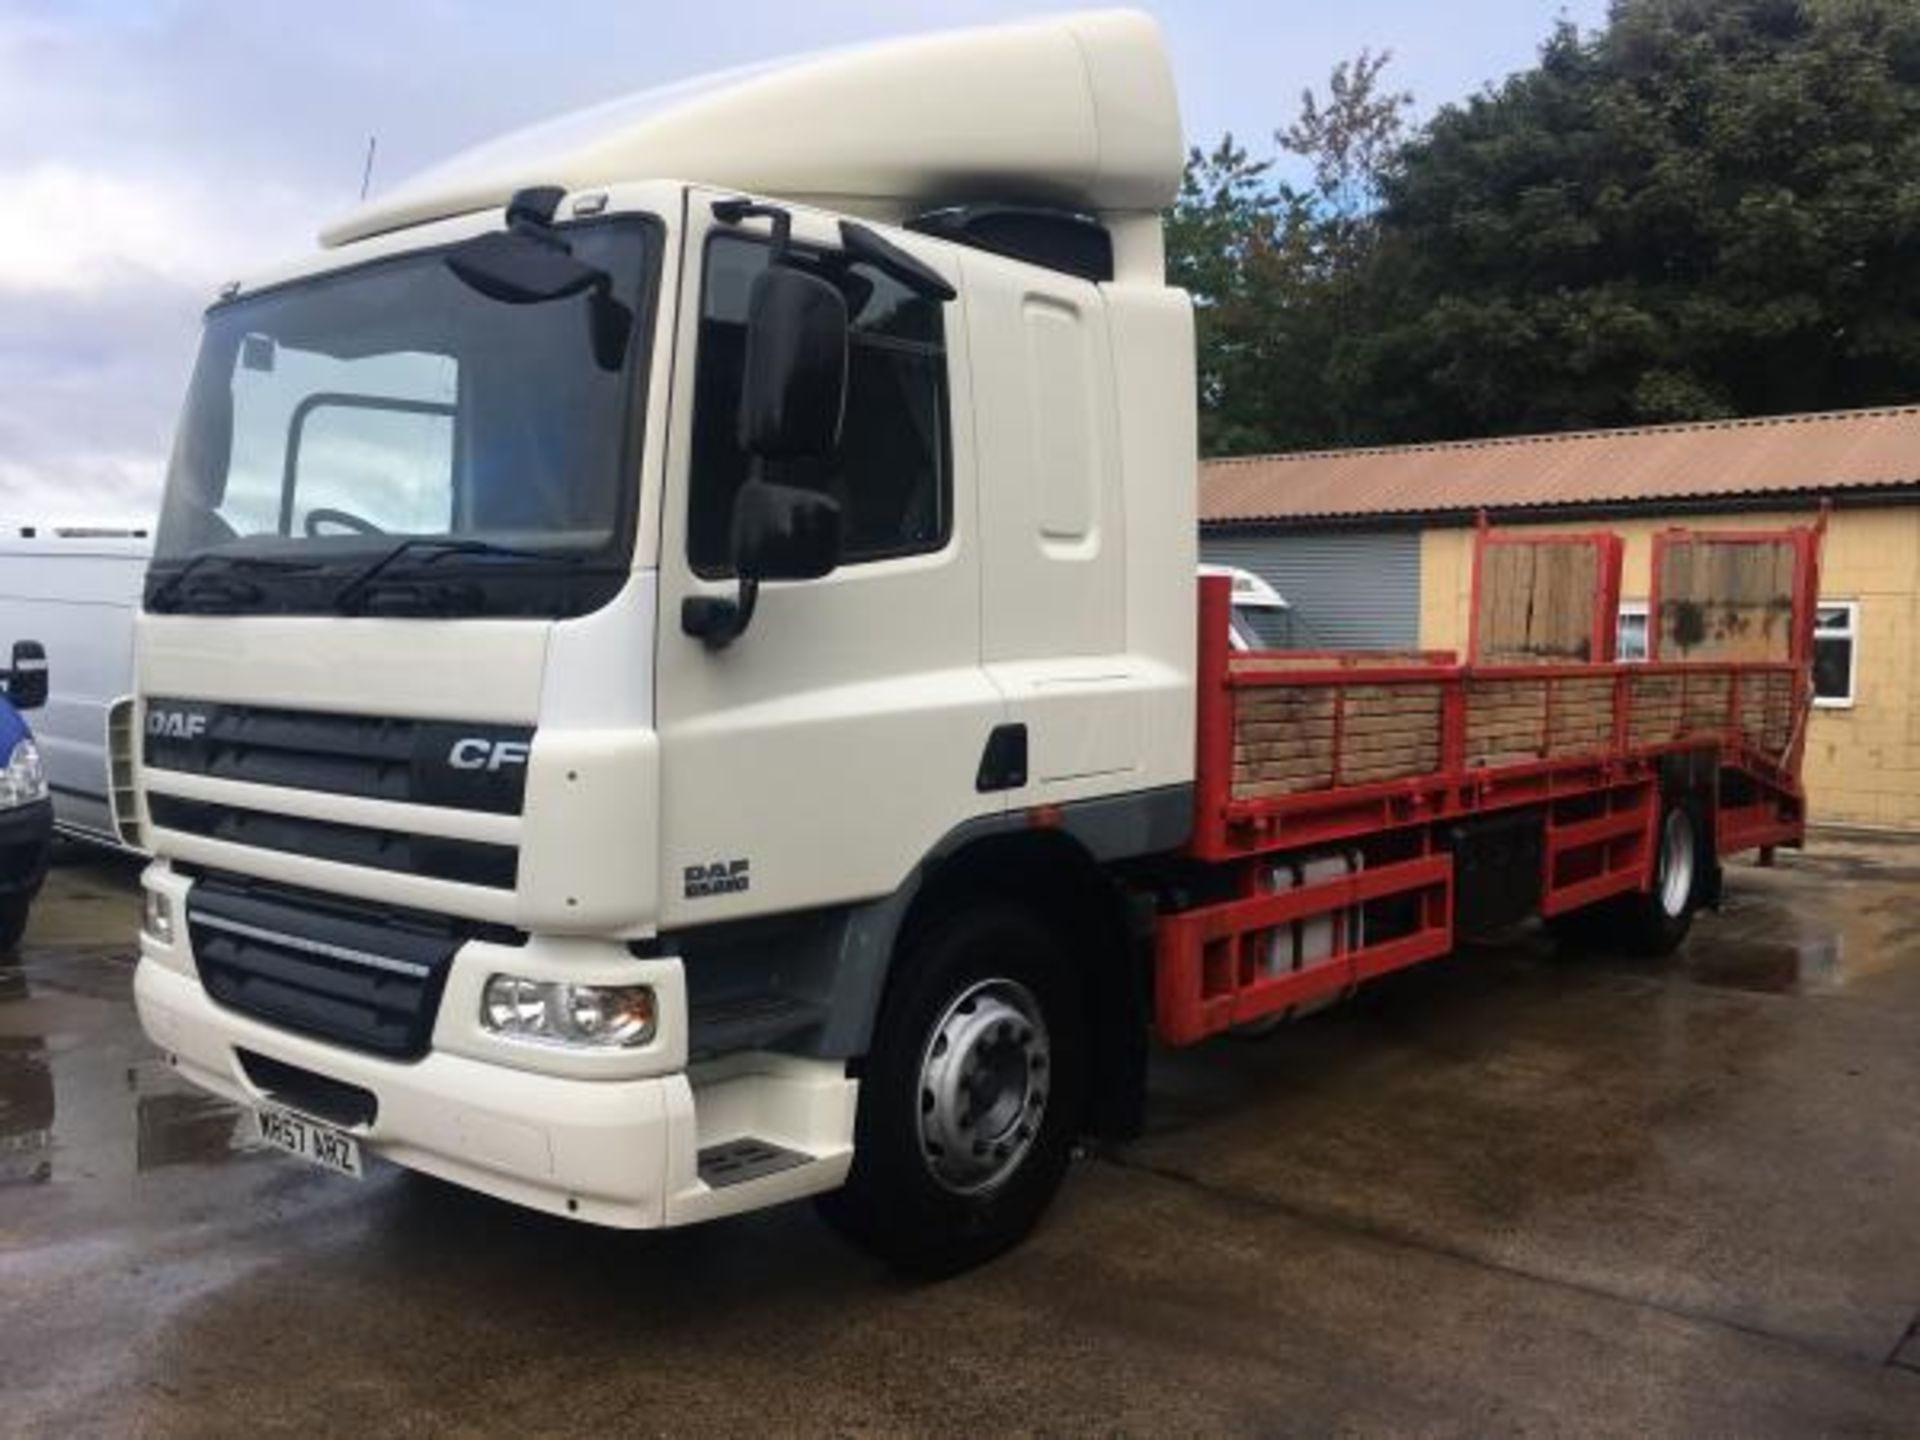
(716, 621)
(733, 210)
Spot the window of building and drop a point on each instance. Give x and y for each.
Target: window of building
(890, 474)
(1630, 639)
(1836, 631)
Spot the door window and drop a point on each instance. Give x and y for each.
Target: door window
(891, 472)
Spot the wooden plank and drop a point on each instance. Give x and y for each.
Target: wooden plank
(1493, 760)
(1379, 724)
(1280, 663)
(1324, 779)
(1598, 725)
(1296, 696)
(1729, 600)
(1536, 601)
(1525, 730)
(1493, 702)
(1279, 754)
(1257, 713)
(1293, 785)
(1320, 744)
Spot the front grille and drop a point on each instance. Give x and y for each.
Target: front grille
(368, 977)
(446, 763)
(470, 862)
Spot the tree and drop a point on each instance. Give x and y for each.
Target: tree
(1708, 208)
(1273, 267)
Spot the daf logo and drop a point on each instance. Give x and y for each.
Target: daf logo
(476, 753)
(721, 877)
(176, 724)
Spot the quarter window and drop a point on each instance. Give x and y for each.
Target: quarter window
(890, 473)
(1836, 632)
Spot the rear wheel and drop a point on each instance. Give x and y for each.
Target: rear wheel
(1654, 922)
(1658, 921)
(970, 1097)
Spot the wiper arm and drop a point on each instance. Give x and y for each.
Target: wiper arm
(351, 597)
(173, 588)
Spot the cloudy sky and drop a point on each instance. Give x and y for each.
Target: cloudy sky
(150, 149)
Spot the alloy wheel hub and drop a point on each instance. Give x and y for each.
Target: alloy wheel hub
(983, 1086)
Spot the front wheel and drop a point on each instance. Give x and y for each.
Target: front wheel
(970, 1097)
(13, 922)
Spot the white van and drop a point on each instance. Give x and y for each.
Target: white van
(74, 589)
(1260, 612)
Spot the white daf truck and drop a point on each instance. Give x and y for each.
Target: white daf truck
(670, 678)
(660, 632)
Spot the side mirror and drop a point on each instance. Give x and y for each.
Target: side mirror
(781, 532)
(793, 393)
(27, 677)
(516, 267)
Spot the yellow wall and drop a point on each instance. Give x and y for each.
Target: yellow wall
(1863, 764)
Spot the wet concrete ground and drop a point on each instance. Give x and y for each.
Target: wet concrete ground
(1519, 1191)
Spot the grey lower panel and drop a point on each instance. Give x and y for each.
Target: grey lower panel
(721, 1023)
(810, 983)
(1126, 827)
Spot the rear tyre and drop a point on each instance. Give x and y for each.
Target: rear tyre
(970, 1098)
(1656, 922)
(13, 922)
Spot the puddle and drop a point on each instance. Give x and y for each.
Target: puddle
(186, 1127)
(1790, 939)
(26, 1112)
(82, 1096)
(1769, 967)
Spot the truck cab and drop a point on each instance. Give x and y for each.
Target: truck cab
(645, 684)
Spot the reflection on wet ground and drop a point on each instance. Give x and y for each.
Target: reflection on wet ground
(112, 1120)
(1520, 1190)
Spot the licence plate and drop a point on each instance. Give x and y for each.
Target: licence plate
(313, 1142)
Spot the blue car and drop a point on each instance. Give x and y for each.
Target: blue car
(26, 812)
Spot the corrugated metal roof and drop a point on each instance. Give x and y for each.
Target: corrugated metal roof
(1783, 454)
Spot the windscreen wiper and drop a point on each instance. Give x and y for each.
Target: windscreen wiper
(351, 597)
(173, 588)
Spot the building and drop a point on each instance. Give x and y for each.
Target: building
(1373, 548)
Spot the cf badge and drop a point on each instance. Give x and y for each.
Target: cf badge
(476, 753)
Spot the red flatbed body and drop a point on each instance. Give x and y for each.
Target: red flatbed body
(1383, 764)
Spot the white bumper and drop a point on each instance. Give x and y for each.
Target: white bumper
(615, 1151)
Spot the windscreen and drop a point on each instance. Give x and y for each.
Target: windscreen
(330, 420)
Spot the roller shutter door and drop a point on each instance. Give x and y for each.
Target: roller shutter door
(1349, 589)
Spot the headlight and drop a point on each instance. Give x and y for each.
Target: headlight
(594, 1017)
(25, 779)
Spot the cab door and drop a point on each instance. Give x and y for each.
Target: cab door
(818, 757)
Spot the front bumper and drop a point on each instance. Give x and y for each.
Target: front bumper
(555, 1131)
(26, 840)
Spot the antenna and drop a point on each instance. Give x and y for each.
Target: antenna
(366, 172)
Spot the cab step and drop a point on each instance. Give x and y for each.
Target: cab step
(733, 1162)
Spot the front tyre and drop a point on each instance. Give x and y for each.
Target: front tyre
(13, 922)
(970, 1097)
